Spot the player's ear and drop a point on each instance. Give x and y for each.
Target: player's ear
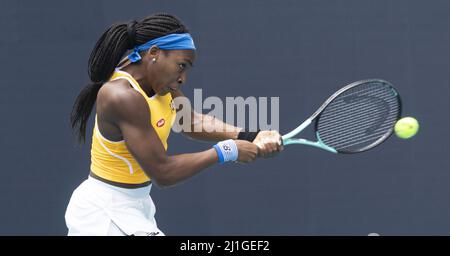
(153, 53)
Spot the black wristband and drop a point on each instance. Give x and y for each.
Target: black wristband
(248, 136)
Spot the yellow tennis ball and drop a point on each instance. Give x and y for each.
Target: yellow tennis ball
(406, 127)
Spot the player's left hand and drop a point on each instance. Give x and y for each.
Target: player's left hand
(269, 143)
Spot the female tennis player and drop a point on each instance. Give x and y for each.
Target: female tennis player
(134, 115)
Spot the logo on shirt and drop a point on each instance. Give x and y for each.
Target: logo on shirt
(161, 122)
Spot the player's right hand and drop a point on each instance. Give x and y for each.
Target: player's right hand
(247, 151)
(269, 143)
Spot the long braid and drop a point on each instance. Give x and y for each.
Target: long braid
(107, 53)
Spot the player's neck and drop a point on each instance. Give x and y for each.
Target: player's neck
(137, 73)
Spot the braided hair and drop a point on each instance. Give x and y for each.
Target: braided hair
(107, 53)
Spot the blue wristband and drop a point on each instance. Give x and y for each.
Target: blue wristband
(226, 151)
(219, 153)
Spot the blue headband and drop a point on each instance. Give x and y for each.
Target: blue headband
(168, 42)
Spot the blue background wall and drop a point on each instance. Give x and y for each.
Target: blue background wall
(300, 51)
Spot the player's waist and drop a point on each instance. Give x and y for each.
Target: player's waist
(140, 189)
(121, 183)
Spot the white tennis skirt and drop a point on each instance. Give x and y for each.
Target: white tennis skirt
(100, 209)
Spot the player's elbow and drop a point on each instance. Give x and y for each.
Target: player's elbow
(163, 182)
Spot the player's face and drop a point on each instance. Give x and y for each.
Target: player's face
(172, 69)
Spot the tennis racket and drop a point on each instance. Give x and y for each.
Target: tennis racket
(356, 118)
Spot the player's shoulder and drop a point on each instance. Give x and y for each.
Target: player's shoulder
(118, 92)
(118, 98)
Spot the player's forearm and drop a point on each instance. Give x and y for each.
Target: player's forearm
(175, 169)
(209, 128)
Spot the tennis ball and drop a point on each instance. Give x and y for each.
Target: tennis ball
(406, 127)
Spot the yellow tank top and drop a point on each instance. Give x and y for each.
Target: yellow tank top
(111, 160)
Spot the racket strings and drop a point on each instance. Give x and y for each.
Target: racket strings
(349, 130)
(359, 117)
(362, 129)
(337, 108)
(341, 112)
(361, 143)
(334, 106)
(359, 132)
(362, 139)
(360, 110)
